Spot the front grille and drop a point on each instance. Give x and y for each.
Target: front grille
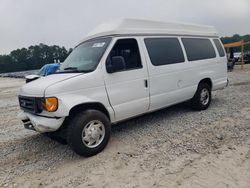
(30, 104)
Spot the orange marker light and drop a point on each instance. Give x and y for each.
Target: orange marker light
(51, 104)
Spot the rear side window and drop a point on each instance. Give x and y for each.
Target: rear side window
(198, 49)
(219, 47)
(163, 51)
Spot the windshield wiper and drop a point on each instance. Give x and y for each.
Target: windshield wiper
(70, 68)
(73, 70)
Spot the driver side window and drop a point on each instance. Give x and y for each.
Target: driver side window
(129, 51)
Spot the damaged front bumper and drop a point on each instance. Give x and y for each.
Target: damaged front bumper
(40, 123)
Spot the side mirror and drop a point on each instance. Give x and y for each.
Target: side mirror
(116, 64)
(32, 77)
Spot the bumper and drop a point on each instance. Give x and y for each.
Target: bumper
(220, 84)
(40, 124)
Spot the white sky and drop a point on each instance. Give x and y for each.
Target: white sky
(65, 22)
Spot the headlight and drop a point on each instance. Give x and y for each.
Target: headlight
(50, 104)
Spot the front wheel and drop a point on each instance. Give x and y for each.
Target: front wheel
(202, 97)
(88, 132)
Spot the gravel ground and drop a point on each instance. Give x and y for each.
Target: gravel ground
(20, 74)
(174, 147)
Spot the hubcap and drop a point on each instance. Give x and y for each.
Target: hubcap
(93, 134)
(204, 96)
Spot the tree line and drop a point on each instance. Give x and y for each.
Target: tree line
(237, 38)
(34, 57)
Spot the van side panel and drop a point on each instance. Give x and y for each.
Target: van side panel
(79, 90)
(174, 83)
(126, 89)
(169, 84)
(221, 79)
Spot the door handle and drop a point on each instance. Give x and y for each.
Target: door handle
(146, 83)
(179, 83)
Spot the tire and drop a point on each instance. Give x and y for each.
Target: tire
(202, 97)
(88, 132)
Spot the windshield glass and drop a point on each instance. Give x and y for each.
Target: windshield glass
(86, 56)
(41, 72)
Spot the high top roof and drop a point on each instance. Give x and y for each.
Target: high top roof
(148, 27)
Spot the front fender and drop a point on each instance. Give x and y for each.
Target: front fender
(67, 101)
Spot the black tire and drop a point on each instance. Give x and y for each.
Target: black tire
(196, 102)
(78, 124)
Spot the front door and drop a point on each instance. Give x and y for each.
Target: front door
(127, 89)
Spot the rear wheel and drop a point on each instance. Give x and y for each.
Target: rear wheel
(88, 132)
(202, 97)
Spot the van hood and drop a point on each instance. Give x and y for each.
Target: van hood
(37, 88)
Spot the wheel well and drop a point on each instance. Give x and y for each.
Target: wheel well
(207, 81)
(86, 106)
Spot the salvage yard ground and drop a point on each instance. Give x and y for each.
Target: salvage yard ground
(174, 147)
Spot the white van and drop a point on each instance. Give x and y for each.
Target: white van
(121, 70)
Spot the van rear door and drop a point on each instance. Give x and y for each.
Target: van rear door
(126, 84)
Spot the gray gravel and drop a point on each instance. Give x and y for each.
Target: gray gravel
(20, 74)
(164, 142)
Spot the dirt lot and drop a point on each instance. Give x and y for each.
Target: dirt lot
(174, 147)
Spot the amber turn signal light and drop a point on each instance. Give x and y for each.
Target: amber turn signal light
(51, 104)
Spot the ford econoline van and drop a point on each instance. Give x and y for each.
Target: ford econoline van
(124, 69)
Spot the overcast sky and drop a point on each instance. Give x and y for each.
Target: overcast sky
(65, 22)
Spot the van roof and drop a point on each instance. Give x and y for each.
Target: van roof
(148, 27)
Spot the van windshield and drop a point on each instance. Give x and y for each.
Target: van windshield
(85, 57)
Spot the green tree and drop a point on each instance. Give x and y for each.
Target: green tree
(236, 38)
(33, 57)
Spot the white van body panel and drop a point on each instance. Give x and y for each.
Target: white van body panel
(168, 84)
(133, 27)
(37, 88)
(174, 83)
(42, 124)
(126, 91)
(79, 90)
(124, 94)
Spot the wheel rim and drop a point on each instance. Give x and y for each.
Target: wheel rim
(93, 134)
(204, 96)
